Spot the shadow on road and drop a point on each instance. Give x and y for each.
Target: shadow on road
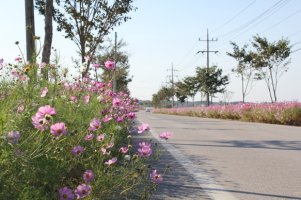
(268, 144)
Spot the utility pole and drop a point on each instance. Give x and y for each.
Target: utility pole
(115, 60)
(172, 84)
(208, 51)
(30, 29)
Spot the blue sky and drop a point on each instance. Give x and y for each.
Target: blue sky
(166, 32)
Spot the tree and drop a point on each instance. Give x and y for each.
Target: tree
(48, 36)
(192, 86)
(270, 60)
(244, 68)
(87, 22)
(156, 101)
(211, 81)
(122, 65)
(181, 91)
(162, 97)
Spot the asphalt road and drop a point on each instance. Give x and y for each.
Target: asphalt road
(220, 159)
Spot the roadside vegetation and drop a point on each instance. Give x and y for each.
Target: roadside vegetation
(69, 135)
(286, 113)
(64, 139)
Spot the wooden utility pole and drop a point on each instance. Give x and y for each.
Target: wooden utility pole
(30, 30)
(208, 51)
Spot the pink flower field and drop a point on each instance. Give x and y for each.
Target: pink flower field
(286, 113)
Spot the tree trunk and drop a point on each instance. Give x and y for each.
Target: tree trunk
(48, 37)
(192, 101)
(273, 85)
(30, 30)
(243, 88)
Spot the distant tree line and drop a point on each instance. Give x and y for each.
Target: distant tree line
(264, 60)
(206, 80)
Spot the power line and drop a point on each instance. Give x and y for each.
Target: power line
(276, 24)
(235, 16)
(252, 21)
(283, 20)
(253, 25)
(295, 33)
(296, 50)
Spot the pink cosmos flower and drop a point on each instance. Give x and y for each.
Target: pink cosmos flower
(142, 128)
(100, 137)
(120, 119)
(18, 59)
(110, 162)
(23, 78)
(88, 58)
(131, 115)
(88, 176)
(46, 110)
(42, 65)
(156, 178)
(89, 137)
(13, 137)
(95, 124)
(96, 65)
(123, 150)
(110, 65)
(82, 191)
(15, 73)
(105, 152)
(58, 129)
(86, 99)
(110, 145)
(86, 79)
(39, 123)
(20, 108)
(165, 135)
(116, 102)
(73, 99)
(66, 194)
(77, 150)
(145, 149)
(43, 117)
(107, 118)
(44, 92)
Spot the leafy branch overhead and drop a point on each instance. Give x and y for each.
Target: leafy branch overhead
(87, 22)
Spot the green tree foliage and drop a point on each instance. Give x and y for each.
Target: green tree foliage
(244, 67)
(192, 86)
(211, 80)
(181, 91)
(271, 60)
(162, 97)
(87, 22)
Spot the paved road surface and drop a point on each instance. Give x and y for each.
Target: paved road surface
(219, 159)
